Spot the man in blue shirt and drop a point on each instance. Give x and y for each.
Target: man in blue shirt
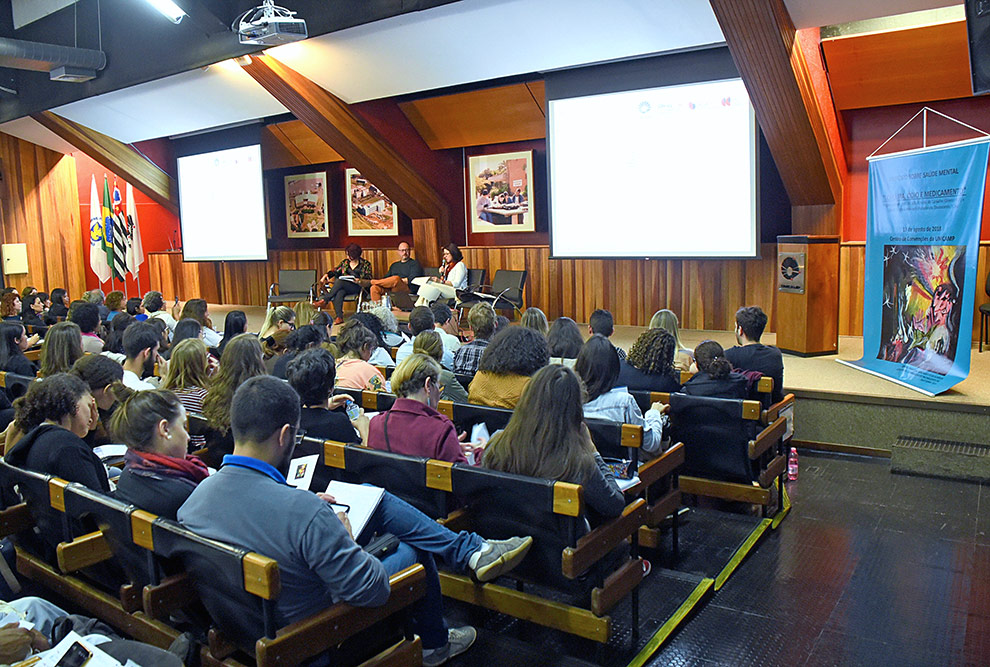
(248, 504)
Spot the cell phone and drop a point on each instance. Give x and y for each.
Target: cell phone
(177, 300)
(77, 656)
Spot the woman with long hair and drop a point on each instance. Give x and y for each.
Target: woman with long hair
(350, 276)
(188, 376)
(430, 344)
(158, 474)
(115, 339)
(598, 366)
(564, 341)
(380, 357)
(547, 438)
(32, 310)
(650, 363)
(452, 272)
(513, 355)
(715, 377)
(278, 318)
(198, 310)
(59, 307)
(234, 324)
(535, 319)
(667, 320)
(240, 362)
(356, 345)
(61, 348)
(13, 342)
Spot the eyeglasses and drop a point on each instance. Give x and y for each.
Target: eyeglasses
(300, 434)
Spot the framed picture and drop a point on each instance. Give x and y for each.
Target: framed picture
(369, 211)
(500, 189)
(306, 206)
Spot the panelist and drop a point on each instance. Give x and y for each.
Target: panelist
(398, 276)
(453, 277)
(350, 276)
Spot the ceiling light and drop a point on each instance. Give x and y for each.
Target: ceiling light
(169, 9)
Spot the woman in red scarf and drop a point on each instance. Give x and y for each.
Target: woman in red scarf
(158, 474)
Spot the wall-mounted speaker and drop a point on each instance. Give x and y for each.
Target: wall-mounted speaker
(978, 27)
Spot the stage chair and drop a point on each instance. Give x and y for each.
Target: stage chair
(293, 285)
(507, 285)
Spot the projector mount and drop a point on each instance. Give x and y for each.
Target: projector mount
(268, 25)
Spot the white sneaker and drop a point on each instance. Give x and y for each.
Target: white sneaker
(458, 641)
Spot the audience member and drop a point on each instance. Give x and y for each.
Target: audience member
(421, 319)
(10, 307)
(273, 348)
(752, 355)
(390, 326)
(601, 322)
(453, 272)
(598, 366)
(501, 321)
(141, 344)
(324, 321)
(59, 308)
(154, 304)
(350, 276)
(186, 328)
(683, 355)
(356, 345)
(564, 341)
(380, 357)
(446, 323)
(114, 303)
(32, 310)
(534, 319)
(547, 438)
(312, 374)
(278, 318)
(135, 309)
(158, 474)
(28, 291)
(481, 317)
(240, 362)
(649, 365)
(715, 377)
(87, 316)
(513, 355)
(115, 340)
(429, 343)
(198, 310)
(188, 376)
(13, 342)
(234, 324)
(104, 377)
(96, 296)
(60, 349)
(248, 503)
(301, 339)
(413, 426)
(399, 275)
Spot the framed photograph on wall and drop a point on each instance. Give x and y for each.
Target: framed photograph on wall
(500, 189)
(306, 206)
(369, 211)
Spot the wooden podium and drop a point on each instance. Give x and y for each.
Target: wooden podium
(808, 295)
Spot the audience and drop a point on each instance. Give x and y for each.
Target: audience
(104, 377)
(13, 342)
(135, 309)
(564, 341)
(32, 310)
(114, 303)
(501, 321)
(312, 375)
(197, 309)
(301, 339)
(715, 377)
(752, 355)
(481, 317)
(513, 355)
(234, 324)
(158, 474)
(248, 503)
(97, 298)
(28, 291)
(429, 343)
(448, 327)
(10, 307)
(87, 316)
(186, 328)
(274, 348)
(60, 349)
(154, 304)
(421, 319)
(534, 319)
(115, 341)
(60, 306)
(356, 345)
(547, 438)
(278, 318)
(141, 344)
(380, 357)
(240, 362)
(650, 363)
(390, 326)
(598, 366)
(683, 355)
(601, 322)
(188, 376)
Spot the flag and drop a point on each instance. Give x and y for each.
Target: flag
(135, 251)
(119, 236)
(97, 256)
(107, 214)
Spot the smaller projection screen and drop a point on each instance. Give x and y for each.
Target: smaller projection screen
(654, 172)
(222, 205)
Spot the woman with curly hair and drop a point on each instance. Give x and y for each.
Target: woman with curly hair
(10, 306)
(683, 355)
(56, 414)
(380, 357)
(512, 356)
(564, 341)
(650, 363)
(534, 319)
(715, 377)
(350, 276)
(356, 344)
(61, 348)
(114, 303)
(241, 361)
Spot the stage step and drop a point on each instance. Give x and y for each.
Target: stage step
(940, 458)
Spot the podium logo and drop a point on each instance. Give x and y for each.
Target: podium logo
(789, 268)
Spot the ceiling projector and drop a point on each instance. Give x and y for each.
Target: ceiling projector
(269, 25)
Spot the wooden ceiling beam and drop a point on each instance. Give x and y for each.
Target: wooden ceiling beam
(118, 157)
(331, 119)
(763, 43)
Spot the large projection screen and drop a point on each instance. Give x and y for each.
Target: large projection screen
(222, 205)
(654, 173)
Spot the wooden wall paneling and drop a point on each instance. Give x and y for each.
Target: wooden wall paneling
(851, 283)
(118, 157)
(429, 235)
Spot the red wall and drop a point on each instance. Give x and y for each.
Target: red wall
(868, 128)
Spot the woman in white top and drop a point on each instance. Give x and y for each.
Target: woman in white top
(453, 272)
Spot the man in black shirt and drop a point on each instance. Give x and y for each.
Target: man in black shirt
(399, 276)
(751, 354)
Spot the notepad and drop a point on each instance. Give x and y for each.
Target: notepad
(362, 500)
(624, 484)
(110, 451)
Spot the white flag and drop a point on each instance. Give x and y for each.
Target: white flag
(97, 256)
(135, 252)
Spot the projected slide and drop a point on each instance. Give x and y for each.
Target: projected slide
(662, 172)
(221, 205)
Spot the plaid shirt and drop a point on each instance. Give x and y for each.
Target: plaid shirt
(469, 356)
(361, 272)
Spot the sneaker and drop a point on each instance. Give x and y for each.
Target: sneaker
(499, 556)
(458, 641)
(647, 568)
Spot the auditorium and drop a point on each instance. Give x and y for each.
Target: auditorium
(498, 332)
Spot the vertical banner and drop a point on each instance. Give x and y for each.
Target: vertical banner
(922, 246)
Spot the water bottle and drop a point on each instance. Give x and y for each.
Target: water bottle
(792, 465)
(387, 301)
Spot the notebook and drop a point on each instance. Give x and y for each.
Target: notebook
(359, 501)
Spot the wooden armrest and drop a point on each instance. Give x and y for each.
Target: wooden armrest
(764, 385)
(576, 560)
(631, 435)
(14, 519)
(767, 438)
(33, 355)
(653, 471)
(660, 397)
(770, 414)
(90, 549)
(173, 593)
(314, 635)
(456, 520)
